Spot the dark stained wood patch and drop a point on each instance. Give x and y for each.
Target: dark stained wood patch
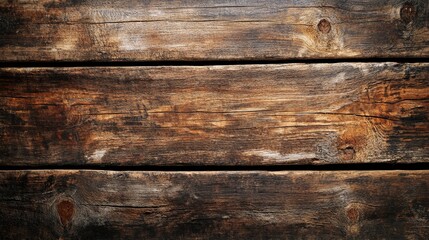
(215, 205)
(215, 115)
(116, 30)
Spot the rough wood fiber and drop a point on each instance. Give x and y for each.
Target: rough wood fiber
(117, 30)
(206, 205)
(215, 115)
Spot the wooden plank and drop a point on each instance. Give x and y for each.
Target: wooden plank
(214, 205)
(87, 30)
(215, 115)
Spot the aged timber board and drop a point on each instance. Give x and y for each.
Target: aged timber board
(117, 30)
(72, 204)
(215, 115)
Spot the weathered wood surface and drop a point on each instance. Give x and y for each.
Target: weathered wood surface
(117, 30)
(215, 115)
(214, 205)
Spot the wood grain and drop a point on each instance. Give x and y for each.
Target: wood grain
(116, 30)
(215, 115)
(76, 204)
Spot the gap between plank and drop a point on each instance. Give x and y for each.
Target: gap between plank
(203, 62)
(332, 167)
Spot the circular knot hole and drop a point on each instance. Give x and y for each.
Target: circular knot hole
(324, 26)
(408, 12)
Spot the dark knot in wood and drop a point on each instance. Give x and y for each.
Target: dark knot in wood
(65, 210)
(353, 214)
(408, 12)
(348, 153)
(324, 26)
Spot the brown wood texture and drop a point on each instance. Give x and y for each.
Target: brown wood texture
(215, 115)
(117, 30)
(76, 204)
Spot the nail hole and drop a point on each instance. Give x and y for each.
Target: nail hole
(408, 12)
(324, 26)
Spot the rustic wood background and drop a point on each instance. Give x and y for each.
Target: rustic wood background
(214, 119)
